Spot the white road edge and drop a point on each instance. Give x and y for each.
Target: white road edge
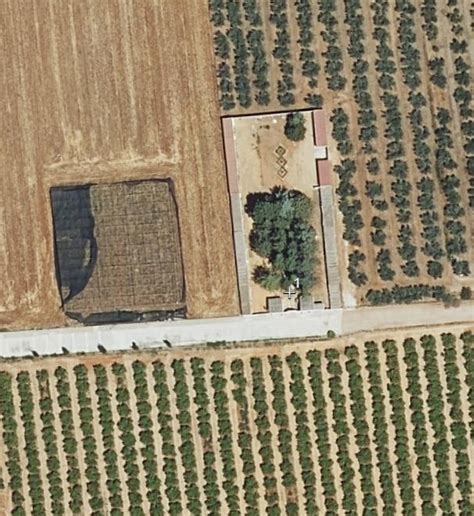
(232, 329)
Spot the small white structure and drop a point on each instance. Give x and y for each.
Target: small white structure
(320, 152)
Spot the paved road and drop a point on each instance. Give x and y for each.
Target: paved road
(247, 327)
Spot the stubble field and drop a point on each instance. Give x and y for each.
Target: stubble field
(97, 92)
(365, 424)
(395, 78)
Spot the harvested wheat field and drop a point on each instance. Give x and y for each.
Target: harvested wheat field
(96, 92)
(367, 423)
(396, 81)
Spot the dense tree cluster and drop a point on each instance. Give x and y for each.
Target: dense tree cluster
(240, 51)
(379, 403)
(282, 234)
(11, 443)
(430, 18)
(242, 56)
(145, 424)
(468, 356)
(241, 46)
(419, 422)
(340, 131)
(186, 448)
(390, 418)
(359, 278)
(401, 186)
(349, 203)
(359, 420)
(128, 439)
(463, 93)
(35, 481)
(256, 44)
(69, 442)
(436, 415)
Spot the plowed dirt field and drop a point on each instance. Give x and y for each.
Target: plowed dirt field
(97, 92)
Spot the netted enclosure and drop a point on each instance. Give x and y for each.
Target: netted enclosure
(118, 248)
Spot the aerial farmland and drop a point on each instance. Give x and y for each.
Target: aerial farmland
(367, 424)
(395, 81)
(98, 93)
(268, 172)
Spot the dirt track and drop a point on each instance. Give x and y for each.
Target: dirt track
(98, 92)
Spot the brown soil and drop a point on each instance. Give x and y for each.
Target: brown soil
(88, 101)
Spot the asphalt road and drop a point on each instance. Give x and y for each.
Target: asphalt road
(242, 328)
